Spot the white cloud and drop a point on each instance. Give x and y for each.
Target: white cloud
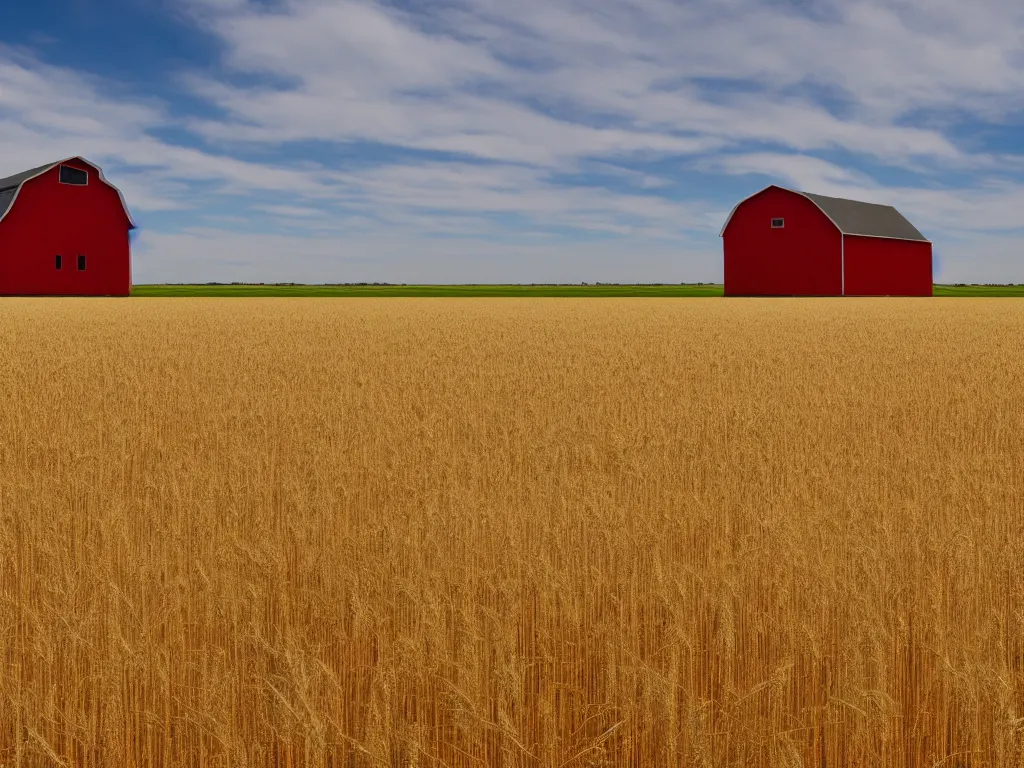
(801, 171)
(581, 118)
(289, 211)
(362, 71)
(47, 113)
(496, 190)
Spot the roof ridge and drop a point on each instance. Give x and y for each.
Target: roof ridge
(846, 199)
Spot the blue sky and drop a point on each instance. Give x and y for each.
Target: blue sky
(529, 141)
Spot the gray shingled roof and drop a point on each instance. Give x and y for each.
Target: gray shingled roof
(16, 179)
(856, 218)
(9, 186)
(6, 198)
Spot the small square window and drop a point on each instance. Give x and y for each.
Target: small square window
(56, 261)
(778, 223)
(81, 262)
(74, 176)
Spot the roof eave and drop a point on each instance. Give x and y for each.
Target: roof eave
(887, 237)
(741, 202)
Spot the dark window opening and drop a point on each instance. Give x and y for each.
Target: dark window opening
(778, 223)
(81, 262)
(56, 261)
(75, 176)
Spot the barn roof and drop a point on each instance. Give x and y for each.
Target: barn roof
(856, 218)
(853, 217)
(6, 198)
(18, 178)
(11, 185)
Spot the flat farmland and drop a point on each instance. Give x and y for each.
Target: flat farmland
(512, 532)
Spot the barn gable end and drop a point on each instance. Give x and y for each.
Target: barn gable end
(11, 185)
(797, 256)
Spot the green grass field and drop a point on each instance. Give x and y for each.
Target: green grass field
(978, 290)
(499, 290)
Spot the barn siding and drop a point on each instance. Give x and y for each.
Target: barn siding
(49, 218)
(802, 259)
(881, 267)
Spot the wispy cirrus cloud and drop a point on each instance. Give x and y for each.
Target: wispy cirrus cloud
(537, 82)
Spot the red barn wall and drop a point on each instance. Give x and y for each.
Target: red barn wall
(50, 218)
(803, 258)
(881, 267)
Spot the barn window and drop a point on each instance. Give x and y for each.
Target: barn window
(75, 176)
(81, 262)
(56, 261)
(778, 223)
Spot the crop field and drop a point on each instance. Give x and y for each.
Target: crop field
(532, 533)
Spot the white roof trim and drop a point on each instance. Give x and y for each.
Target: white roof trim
(805, 197)
(741, 202)
(47, 169)
(886, 237)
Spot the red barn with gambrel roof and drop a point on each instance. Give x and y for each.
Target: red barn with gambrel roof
(780, 242)
(64, 232)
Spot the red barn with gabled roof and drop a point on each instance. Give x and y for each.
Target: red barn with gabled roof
(779, 242)
(64, 232)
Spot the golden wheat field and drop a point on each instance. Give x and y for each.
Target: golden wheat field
(512, 532)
